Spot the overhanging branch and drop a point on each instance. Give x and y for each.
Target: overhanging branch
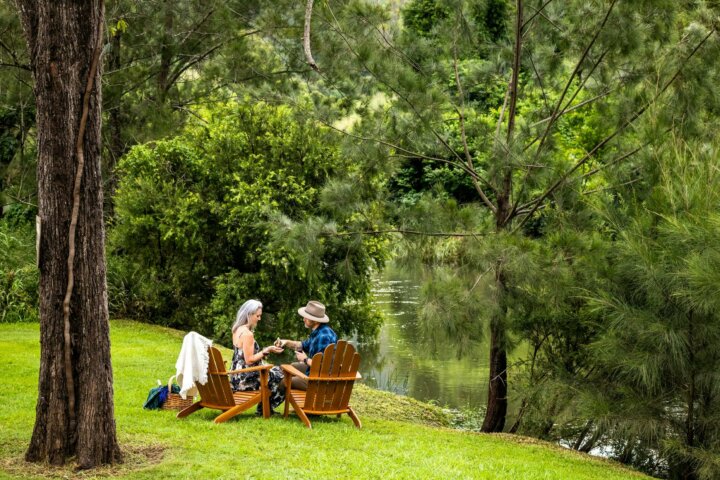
(405, 232)
(607, 139)
(306, 36)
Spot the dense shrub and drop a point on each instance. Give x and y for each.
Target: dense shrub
(232, 210)
(18, 272)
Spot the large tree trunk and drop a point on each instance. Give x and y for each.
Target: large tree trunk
(74, 413)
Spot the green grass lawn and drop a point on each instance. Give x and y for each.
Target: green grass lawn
(401, 438)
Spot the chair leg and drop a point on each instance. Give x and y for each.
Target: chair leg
(288, 394)
(188, 410)
(354, 417)
(265, 393)
(303, 417)
(228, 414)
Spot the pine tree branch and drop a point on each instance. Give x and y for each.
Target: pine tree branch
(620, 129)
(267, 75)
(516, 72)
(611, 187)
(540, 82)
(306, 36)
(542, 14)
(408, 153)
(409, 61)
(523, 209)
(614, 161)
(504, 198)
(554, 118)
(405, 232)
(19, 200)
(461, 116)
(575, 71)
(195, 60)
(16, 63)
(537, 12)
(195, 28)
(393, 89)
(502, 109)
(568, 110)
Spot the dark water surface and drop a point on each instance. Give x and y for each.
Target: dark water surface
(400, 360)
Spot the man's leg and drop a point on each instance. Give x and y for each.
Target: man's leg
(297, 382)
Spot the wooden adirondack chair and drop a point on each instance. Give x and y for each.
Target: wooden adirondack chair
(330, 383)
(217, 394)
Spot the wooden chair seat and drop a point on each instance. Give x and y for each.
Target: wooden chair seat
(218, 395)
(330, 383)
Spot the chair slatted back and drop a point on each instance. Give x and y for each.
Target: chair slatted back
(339, 365)
(217, 390)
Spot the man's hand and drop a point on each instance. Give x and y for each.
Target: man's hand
(301, 356)
(281, 343)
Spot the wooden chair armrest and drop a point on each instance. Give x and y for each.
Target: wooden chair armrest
(250, 369)
(293, 371)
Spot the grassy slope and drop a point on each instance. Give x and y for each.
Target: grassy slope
(158, 446)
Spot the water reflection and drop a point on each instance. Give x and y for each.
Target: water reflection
(402, 361)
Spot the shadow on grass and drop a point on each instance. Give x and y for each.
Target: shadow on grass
(136, 457)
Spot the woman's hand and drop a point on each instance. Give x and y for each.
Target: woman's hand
(272, 349)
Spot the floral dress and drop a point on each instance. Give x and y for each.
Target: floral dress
(251, 380)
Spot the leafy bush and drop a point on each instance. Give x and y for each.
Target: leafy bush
(233, 209)
(18, 273)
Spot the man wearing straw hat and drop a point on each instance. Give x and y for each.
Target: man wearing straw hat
(321, 335)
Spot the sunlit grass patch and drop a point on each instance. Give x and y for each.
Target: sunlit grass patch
(401, 438)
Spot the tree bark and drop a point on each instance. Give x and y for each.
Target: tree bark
(497, 388)
(63, 36)
(166, 53)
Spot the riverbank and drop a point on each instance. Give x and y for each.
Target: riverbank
(401, 437)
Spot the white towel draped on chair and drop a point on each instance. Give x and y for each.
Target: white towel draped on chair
(192, 363)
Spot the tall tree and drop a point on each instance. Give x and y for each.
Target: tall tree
(528, 101)
(74, 413)
(655, 383)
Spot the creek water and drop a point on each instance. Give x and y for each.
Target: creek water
(401, 358)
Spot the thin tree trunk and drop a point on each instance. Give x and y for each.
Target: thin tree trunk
(63, 37)
(690, 420)
(166, 51)
(497, 388)
(117, 146)
(590, 444)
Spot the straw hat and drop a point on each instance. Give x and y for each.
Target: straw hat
(314, 311)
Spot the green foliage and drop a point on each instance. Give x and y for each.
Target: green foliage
(18, 273)
(655, 381)
(17, 114)
(232, 210)
(422, 16)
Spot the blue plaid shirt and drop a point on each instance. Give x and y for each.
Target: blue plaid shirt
(320, 338)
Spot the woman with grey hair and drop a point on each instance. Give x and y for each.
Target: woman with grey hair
(247, 353)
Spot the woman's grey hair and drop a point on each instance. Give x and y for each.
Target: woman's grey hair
(247, 309)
